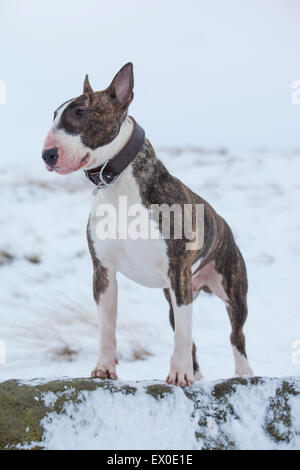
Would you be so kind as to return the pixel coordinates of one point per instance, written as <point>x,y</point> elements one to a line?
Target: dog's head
<point>82,125</point>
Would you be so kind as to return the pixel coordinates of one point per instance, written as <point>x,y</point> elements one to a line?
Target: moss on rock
<point>23,406</point>
<point>159,390</point>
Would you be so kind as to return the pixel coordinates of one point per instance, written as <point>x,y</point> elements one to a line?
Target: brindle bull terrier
<point>94,132</point>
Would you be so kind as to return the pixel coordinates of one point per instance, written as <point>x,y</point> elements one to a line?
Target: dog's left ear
<point>122,85</point>
<point>86,86</point>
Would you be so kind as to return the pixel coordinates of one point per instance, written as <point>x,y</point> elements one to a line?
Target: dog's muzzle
<point>50,156</point>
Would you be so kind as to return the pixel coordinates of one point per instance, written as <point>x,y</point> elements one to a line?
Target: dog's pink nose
<point>50,156</point>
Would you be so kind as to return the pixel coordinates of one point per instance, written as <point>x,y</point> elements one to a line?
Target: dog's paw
<point>105,370</point>
<point>181,373</point>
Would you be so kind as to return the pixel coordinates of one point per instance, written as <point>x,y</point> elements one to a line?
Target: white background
<point>207,73</point>
<point>210,74</point>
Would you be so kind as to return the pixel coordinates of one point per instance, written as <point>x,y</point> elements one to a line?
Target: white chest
<point>121,234</point>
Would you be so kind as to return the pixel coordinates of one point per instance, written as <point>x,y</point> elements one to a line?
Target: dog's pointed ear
<point>86,86</point>
<point>122,85</point>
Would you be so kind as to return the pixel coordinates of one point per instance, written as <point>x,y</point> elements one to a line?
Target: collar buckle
<point>103,183</point>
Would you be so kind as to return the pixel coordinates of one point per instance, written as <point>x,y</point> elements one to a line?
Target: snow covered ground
<point>48,319</point>
<point>84,414</point>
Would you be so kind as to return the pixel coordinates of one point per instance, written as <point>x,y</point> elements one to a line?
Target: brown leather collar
<point>108,173</point>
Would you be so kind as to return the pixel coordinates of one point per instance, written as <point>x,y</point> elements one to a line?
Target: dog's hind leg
<point>197,372</point>
<point>235,284</point>
<point>236,287</point>
<point>228,280</point>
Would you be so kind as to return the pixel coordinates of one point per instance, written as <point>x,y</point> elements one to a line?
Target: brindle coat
<point>158,186</point>
<point>97,118</point>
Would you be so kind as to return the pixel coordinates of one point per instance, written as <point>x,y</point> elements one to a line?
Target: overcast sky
<point>207,73</point>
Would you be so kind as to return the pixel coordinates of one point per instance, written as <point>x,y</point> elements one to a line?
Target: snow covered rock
<point>239,413</point>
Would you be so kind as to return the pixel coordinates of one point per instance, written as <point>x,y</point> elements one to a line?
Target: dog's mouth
<point>64,171</point>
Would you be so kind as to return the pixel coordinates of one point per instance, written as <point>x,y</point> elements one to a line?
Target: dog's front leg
<point>181,369</point>
<point>105,293</point>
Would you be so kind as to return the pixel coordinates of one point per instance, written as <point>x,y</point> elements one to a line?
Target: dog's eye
<point>79,113</point>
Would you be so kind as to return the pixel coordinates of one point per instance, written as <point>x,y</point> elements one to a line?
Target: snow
<point>48,319</point>
<point>140,421</point>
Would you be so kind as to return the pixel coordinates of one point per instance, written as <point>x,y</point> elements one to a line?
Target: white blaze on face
<point>72,153</point>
